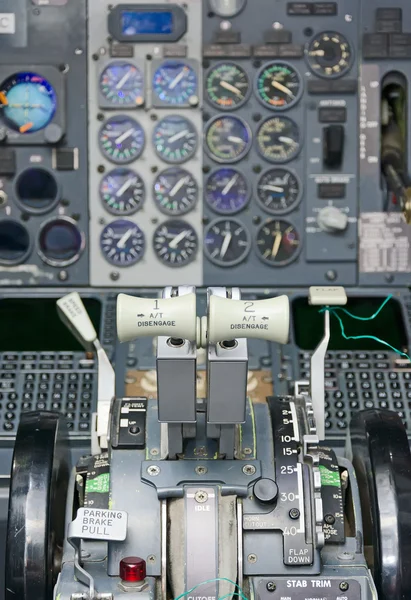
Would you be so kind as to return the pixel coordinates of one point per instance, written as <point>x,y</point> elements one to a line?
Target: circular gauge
<point>175,83</point>
<point>121,139</point>
<point>122,192</point>
<point>60,242</point>
<point>175,192</point>
<point>15,243</point>
<point>27,102</point>
<point>278,85</point>
<point>278,139</point>
<point>228,139</point>
<point>329,55</point>
<point>227,8</point>
<point>226,191</point>
<point>226,242</point>
<point>227,86</point>
<point>175,139</point>
<point>175,243</point>
<point>122,243</point>
<point>277,243</point>
<point>278,191</point>
<point>122,84</point>
<point>36,190</point>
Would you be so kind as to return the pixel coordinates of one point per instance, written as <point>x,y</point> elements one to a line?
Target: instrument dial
<point>226,242</point>
<point>175,243</point>
<point>121,139</point>
<point>226,191</point>
<point>278,86</point>
<point>278,139</point>
<point>228,139</point>
<point>175,139</point>
<point>27,102</point>
<point>122,192</point>
<point>227,8</point>
<point>175,83</point>
<point>122,243</point>
<point>227,86</point>
<point>277,243</point>
<point>175,192</point>
<point>278,191</point>
<point>329,55</point>
<point>60,242</point>
<point>122,84</point>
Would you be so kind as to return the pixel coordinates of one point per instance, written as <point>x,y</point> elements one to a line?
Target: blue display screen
<point>146,23</point>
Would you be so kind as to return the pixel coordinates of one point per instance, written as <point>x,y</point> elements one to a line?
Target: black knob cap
<point>266,491</point>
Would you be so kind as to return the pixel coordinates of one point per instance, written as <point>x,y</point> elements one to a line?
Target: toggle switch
<point>333,146</point>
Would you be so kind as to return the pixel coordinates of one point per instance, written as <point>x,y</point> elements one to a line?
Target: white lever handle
<point>263,319</point>
<point>74,315</point>
<point>146,317</point>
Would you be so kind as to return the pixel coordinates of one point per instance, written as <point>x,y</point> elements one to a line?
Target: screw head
<point>249,469</point>
<point>271,587</point>
<point>294,513</point>
<point>153,470</point>
<point>344,586</point>
<point>247,451</point>
<point>151,559</point>
<point>201,470</point>
<point>252,558</point>
<point>329,519</point>
<point>154,452</point>
<point>201,496</point>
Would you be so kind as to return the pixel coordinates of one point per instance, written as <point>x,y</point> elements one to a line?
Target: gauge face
<point>121,139</point>
<point>175,192</point>
<point>175,243</point>
<point>28,102</point>
<point>278,86</point>
<point>277,243</point>
<point>122,192</point>
<point>175,83</point>
<point>226,191</point>
<point>15,242</point>
<point>329,55</point>
<point>175,139</point>
<point>227,86</point>
<point>278,139</point>
<point>226,242</point>
<point>278,191</point>
<point>122,243</point>
<point>122,84</point>
<point>227,8</point>
<point>228,139</point>
<point>60,242</point>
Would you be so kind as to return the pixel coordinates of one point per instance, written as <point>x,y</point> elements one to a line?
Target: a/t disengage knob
<point>332,220</point>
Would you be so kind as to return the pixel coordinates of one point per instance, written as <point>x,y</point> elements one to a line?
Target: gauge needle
<point>235,139</point>
<point>177,187</point>
<point>230,88</point>
<point>282,88</point>
<point>227,240</point>
<point>175,241</point>
<point>3,99</point>
<point>286,140</point>
<point>122,138</point>
<point>125,187</point>
<point>176,80</point>
<point>123,80</point>
<point>229,185</point>
<point>124,239</point>
<point>178,136</point>
<point>277,243</point>
<point>272,188</point>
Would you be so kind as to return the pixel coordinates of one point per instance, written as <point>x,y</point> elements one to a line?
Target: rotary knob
<point>332,220</point>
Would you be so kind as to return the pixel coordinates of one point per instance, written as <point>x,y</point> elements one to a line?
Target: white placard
<point>99,524</point>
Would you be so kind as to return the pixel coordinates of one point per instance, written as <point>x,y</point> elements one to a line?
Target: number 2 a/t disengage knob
<point>263,319</point>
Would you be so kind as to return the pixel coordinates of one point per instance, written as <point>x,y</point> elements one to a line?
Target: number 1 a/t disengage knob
<point>150,317</point>
<point>262,319</point>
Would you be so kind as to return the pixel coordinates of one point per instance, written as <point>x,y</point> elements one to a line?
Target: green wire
<point>240,593</point>
<point>333,310</point>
